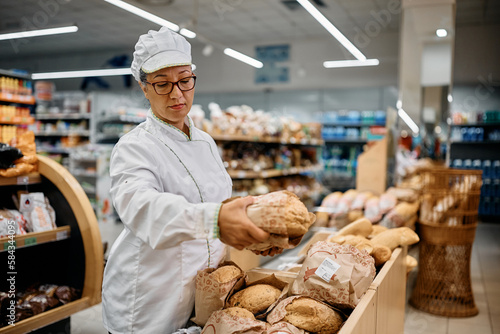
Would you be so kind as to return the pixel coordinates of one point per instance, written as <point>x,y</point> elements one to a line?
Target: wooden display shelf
<point>47,317</point>
<point>36,238</point>
<point>258,139</point>
<point>269,173</point>
<point>16,120</point>
<point>15,98</point>
<point>30,178</point>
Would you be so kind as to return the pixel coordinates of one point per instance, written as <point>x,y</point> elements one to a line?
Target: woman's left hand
<point>269,252</point>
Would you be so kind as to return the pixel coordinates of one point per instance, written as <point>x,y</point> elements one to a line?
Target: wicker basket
<point>447,228</point>
<point>450,196</point>
<point>443,284</point>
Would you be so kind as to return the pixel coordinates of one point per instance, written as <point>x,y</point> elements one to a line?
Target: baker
<point>168,183</point>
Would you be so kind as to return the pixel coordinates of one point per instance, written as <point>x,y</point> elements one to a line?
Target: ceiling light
<point>40,32</point>
<point>407,119</point>
<point>350,63</point>
<point>146,15</point>
<point>81,74</point>
<point>332,29</point>
<point>244,58</point>
<point>187,33</point>
<point>441,33</point>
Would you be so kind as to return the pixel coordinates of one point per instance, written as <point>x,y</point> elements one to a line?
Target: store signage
<point>273,71</point>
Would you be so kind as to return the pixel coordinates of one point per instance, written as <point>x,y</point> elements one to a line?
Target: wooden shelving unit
<point>268,173</point>
<point>70,255</point>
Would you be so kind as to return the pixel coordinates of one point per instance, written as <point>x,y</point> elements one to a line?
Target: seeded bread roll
<point>256,298</point>
<point>313,316</point>
<point>225,274</point>
<point>239,312</point>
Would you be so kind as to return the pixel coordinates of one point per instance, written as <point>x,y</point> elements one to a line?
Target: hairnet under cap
<point>159,49</point>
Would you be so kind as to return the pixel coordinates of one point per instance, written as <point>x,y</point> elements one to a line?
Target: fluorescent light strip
<point>407,119</point>
<point>146,15</point>
<point>244,58</point>
<point>81,74</point>
<point>350,63</point>
<point>332,29</point>
<point>187,33</point>
<point>40,32</point>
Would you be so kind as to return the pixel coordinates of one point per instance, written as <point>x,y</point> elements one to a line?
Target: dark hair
<point>142,76</point>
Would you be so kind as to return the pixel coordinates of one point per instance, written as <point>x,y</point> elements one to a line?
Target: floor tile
<point>459,328</point>
<point>418,322</point>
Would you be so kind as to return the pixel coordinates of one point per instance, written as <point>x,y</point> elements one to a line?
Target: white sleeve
<point>159,219</point>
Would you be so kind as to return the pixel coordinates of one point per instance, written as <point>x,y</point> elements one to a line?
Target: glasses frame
<point>173,85</point>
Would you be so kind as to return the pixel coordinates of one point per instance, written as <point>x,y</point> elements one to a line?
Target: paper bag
<point>222,323</point>
<point>336,274</point>
<point>211,295</point>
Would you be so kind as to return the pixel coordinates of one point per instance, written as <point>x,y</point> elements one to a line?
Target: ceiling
<point>103,26</point>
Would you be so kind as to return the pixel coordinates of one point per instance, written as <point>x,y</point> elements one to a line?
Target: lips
<point>177,106</point>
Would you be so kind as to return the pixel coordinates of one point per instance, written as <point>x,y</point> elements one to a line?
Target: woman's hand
<point>236,229</point>
<point>269,252</point>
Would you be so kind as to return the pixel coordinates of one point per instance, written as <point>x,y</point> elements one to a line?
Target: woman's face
<point>171,108</point>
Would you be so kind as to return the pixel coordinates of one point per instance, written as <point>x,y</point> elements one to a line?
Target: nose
<point>176,92</point>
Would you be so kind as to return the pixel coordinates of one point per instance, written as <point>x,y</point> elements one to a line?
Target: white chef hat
<point>159,49</point>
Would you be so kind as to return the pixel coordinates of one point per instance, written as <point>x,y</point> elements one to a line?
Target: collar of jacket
<point>172,131</point>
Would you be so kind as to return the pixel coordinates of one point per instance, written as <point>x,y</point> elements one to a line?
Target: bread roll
<point>239,313</point>
<point>361,227</point>
<point>226,274</point>
<point>313,316</point>
<point>381,254</point>
<point>256,298</point>
<point>395,237</point>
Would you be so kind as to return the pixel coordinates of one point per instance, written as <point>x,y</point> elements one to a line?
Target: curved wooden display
<point>78,202</point>
<point>87,222</point>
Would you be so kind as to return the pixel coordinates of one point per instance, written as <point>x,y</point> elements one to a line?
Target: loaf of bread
<point>226,273</point>
<point>313,316</point>
<point>283,215</point>
<point>395,237</point>
<point>256,298</point>
<point>376,230</point>
<point>361,227</point>
<point>239,312</point>
<point>381,254</point>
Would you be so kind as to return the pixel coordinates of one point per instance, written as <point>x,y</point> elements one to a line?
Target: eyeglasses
<point>166,87</point>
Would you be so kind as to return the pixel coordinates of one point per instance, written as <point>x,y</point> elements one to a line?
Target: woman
<point>168,182</point>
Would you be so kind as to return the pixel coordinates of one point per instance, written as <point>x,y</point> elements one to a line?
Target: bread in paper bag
<point>232,321</point>
<point>336,274</point>
<point>307,314</point>
<point>213,286</point>
<point>283,215</point>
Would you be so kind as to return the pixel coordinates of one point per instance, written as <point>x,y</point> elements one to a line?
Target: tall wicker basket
<point>447,228</point>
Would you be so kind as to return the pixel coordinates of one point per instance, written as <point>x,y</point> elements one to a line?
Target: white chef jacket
<point>167,189</point>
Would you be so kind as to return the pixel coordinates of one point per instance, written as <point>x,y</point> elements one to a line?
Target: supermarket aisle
<point>485,271</point>
<point>486,286</point>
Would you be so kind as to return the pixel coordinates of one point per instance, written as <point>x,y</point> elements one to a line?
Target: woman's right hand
<point>236,229</point>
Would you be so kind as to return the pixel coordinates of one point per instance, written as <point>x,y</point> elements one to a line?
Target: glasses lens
<point>163,87</point>
<point>186,84</point>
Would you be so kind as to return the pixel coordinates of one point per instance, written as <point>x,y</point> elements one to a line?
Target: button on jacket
<point>167,188</point>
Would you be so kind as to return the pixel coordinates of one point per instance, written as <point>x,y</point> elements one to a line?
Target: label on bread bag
<point>327,269</point>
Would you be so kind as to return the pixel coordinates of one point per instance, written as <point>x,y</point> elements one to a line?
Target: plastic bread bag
<point>372,209</point>
<point>387,202</point>
<point>38,212</point>
<point>14,217</point>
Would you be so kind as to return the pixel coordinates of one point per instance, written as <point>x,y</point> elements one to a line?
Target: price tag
<point>264,174</point>
<point>314,141</point>
<point>62,235</point>
<point>30,241</point>
<point>303,141</point>
<point>293,140</point>
<point>327,269</point>
<point>6,244</point>
<point>23,180</point>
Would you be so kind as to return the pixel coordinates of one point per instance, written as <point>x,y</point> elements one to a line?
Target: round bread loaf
<point>226,273</point>
<point>312,316</point>
<point>256,298</point>
<point>239,312</point>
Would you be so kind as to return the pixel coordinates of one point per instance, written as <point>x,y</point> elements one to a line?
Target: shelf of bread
<point>269,173</point>
<point>47,317</point>
<point>17,98</point>
<point>35,238</point>
<point>264,139</point>
<point>31,178</point>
